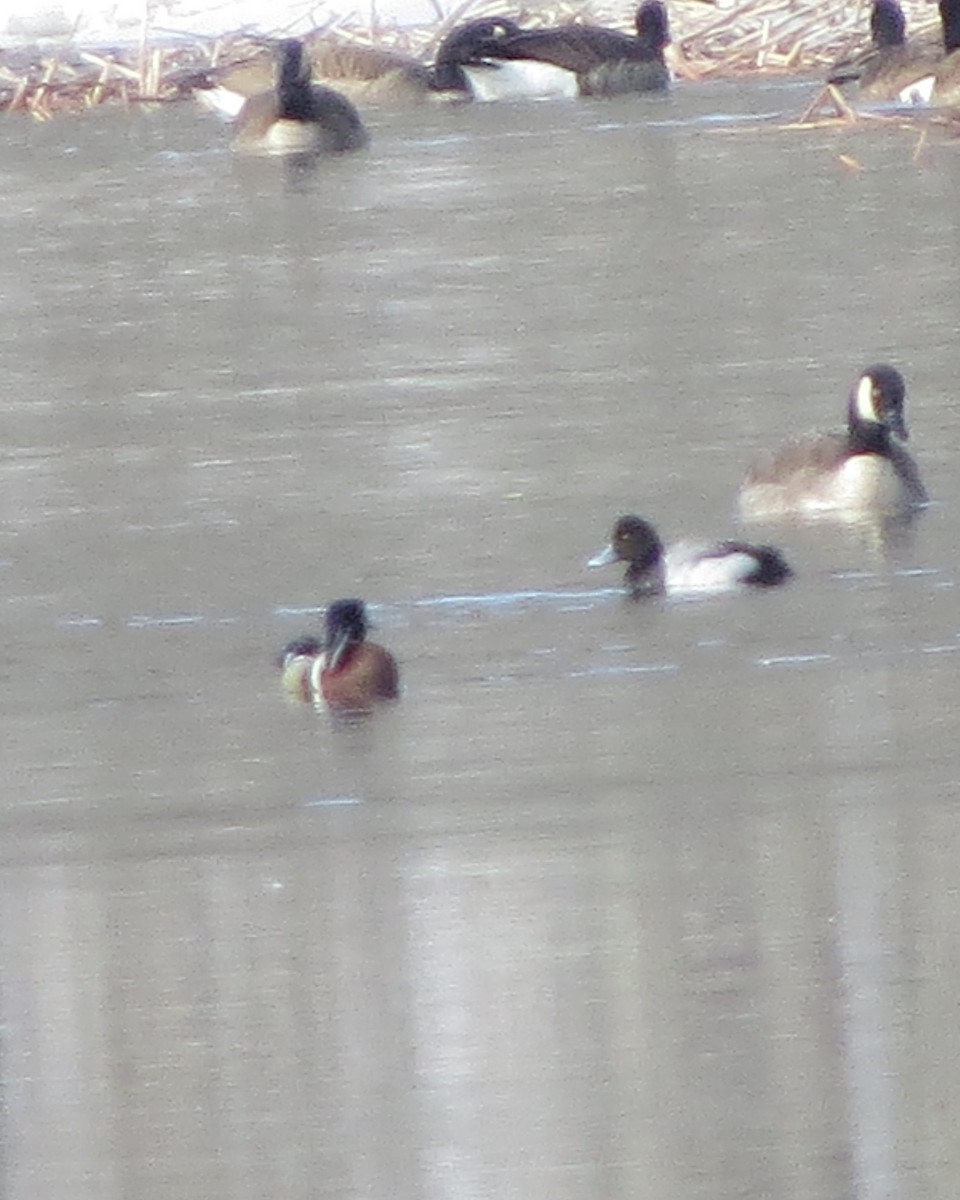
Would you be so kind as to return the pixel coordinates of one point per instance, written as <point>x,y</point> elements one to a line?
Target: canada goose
<point>892,67</point>
<point>864,471</point>
<point>462,68</point>
<point>295,117</point>
<point>364,74</point>
<point>688,566</point>
<point>345,671</point>
<point>570,60</point>
<point>368,74</point>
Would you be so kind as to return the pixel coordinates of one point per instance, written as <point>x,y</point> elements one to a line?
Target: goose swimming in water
<point>566,60</point>
<point>893,67</point>
<point>862,472</point>
<point>364,74</point>
<point>295,117</point>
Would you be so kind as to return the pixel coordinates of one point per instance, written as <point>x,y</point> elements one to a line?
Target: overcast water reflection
<point>621,899</point>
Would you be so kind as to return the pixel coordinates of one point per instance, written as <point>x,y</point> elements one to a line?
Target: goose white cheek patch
<point>866,407</point>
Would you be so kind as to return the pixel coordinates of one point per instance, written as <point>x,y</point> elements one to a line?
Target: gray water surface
<point>622,900</point>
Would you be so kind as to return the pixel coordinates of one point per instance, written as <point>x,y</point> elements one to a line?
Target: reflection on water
<point>622,898</point>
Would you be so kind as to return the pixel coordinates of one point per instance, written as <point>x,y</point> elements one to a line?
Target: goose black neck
<point>449,76</point>
<point>651,24</point>
<point>469,43</point>
<point>294,97</point>
<point>888,26</point>
<point>950,20</point>
<point>868,437</point>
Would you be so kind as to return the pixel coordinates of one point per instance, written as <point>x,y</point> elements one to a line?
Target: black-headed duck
<point>688,567</point>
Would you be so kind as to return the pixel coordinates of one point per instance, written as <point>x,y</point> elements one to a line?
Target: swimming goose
<point>462,68</point>
<point>368,74</point>
<point>893,68</point>
<point>296,117</point>
<point>364,74</point>
<point>345,671</point>
<point>864,471</point>
<point>688,566</point>
<point>572,60</point>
